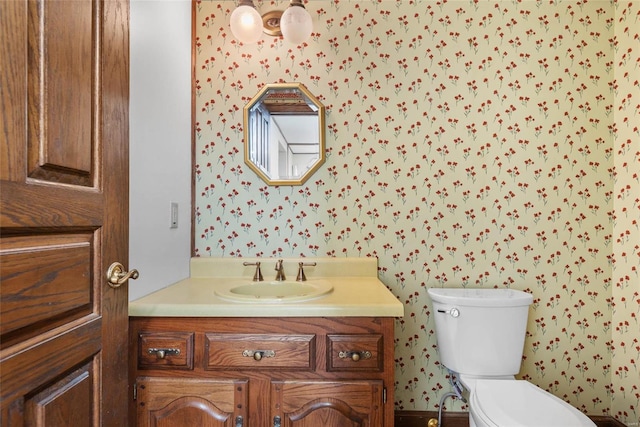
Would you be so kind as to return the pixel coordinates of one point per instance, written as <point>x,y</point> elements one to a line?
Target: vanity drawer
<point>165,350</point>
<point>260,351</point>
<point>347,352</point>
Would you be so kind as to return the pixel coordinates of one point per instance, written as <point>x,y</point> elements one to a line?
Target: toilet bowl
<point>518,403</point>
<point>480,335</point>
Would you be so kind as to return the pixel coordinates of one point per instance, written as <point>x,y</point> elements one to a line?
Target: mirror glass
<point>284,133</point>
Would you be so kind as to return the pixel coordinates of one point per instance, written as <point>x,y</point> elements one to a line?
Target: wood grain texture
<point>350,343</point>
<point>63,211</point>
<point>67,402</point>
<point>316,384</point>
<point>194,402</point>
<point>291,352</point>
<point>60,119</point>
<point>181,341</point>
<point>50,279</point>
<point>38,361</point>
<point>112,152</point>
<point>328,403</point>
<point>13,80</point>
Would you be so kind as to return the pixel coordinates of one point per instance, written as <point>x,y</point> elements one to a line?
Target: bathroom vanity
<point>201,357</point>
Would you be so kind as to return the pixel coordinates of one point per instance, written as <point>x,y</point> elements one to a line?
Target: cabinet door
<point>188,402</point>
<point>327,403</point>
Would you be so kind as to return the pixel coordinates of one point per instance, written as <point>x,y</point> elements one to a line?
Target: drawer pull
<point>276,421</point>
<point>355,355</point>
<point>259,354</point>
<point>239,422</point>
<point>161,353</point>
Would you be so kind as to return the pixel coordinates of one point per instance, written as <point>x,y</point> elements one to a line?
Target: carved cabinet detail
<point>185,402</point>
<point>262,372</point>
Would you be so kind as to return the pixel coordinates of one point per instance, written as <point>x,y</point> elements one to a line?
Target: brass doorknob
<point>116,275</point>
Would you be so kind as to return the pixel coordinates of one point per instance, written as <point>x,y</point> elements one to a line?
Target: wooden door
<point>63,211</point>
<point>327,403</point>
<point>188,402</point>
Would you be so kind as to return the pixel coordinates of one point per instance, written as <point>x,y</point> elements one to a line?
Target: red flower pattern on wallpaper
<point>475,143</point>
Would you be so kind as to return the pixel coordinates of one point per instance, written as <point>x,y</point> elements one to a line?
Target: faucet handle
<point>257,276</point>
<point>301,277</point>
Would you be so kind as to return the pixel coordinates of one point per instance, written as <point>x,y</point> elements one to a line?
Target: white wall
<point>160,142</point>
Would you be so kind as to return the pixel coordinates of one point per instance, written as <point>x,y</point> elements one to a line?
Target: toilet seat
<point>518,403</point>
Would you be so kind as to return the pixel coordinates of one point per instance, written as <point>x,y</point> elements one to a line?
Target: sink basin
<point>275,291</point>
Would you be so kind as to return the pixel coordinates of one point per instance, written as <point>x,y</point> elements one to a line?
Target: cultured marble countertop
<point>357,291</point>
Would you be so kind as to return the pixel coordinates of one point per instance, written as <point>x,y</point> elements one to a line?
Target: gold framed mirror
<point>284,133</point>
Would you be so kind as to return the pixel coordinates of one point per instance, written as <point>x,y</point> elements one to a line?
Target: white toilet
<point>480,335</point>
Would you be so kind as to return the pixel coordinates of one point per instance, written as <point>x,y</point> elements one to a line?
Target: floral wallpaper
<point>471,143</point>
<point>624,387</point>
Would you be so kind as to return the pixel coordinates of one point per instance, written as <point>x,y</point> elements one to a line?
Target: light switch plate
<point>174,215</point>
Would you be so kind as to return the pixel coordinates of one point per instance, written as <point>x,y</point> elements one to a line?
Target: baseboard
<point>421,418</point>
<point>461,419</point>
<point>606,422</point>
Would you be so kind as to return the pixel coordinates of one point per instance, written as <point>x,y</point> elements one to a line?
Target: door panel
<point>44,303</point>
<point>63,211</point>
<point>178,402</point>
<point>13,80</point>
<point>327,403</point>
<point>46,358</point>
<point>60,90</point>
<point>66,403</point>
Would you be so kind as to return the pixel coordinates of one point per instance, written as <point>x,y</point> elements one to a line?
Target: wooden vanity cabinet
<point>261,372</point>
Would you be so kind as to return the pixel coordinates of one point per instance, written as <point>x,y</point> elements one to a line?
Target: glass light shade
<point>246,24</point>
<point>296,25</point>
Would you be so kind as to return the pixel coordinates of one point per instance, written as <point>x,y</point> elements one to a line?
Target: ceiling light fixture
<point>295,24</point>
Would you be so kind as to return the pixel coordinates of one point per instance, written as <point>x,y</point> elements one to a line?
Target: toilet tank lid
<point>476,297</point>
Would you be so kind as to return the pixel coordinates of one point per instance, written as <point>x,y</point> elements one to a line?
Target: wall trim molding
<point>460,419</point>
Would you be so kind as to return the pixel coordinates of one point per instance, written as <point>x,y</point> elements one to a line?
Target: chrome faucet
<point>257,276</point>
<point>301,276</point>
<point>280,271</point>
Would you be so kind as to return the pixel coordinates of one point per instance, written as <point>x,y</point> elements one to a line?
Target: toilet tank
<point>481,332</point>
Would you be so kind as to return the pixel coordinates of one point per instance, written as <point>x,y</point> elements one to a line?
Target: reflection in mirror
<point>284,133</point>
